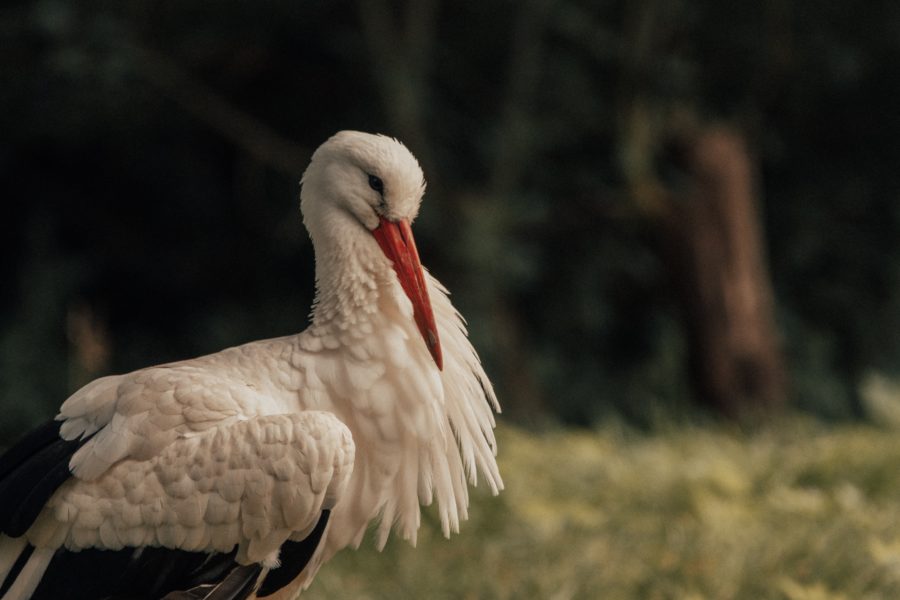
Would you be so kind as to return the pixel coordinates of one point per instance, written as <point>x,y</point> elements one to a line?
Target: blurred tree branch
<point>199,100</point>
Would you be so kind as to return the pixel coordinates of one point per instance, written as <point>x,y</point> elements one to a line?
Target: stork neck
<point>349,275</point>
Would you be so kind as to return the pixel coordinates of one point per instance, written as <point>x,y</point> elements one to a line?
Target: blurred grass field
<point>795,511</point>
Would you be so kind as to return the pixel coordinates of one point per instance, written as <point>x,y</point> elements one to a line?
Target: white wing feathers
<point>254,484</point>
<point>90,408</point>
<point>138,414</point>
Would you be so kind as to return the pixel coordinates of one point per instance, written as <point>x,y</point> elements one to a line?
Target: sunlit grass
<point>798,511</point>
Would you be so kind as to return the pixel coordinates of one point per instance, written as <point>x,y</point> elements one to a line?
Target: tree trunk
<point>719,263</point>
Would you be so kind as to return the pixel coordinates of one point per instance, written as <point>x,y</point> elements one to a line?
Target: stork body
<point>235,475</point>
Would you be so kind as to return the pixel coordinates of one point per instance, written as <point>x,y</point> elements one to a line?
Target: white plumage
<point>242,450</point>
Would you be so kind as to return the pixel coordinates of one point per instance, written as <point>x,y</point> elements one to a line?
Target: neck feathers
<point>349,276</point>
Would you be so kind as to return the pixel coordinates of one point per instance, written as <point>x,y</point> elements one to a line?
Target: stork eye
<point>376,183</point>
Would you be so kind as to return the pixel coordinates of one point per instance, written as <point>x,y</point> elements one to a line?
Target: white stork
<point>236,475</point>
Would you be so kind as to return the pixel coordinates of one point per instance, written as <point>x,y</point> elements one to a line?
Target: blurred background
<point>665,221</point>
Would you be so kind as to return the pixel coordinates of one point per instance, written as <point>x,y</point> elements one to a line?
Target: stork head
<point>372,183</point>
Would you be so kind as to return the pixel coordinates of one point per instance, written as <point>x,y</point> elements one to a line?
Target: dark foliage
<point>150,207</point>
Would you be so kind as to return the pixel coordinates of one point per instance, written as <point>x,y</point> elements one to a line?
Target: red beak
<point>397,243</point>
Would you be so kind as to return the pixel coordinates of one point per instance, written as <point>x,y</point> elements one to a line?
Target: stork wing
<point>232,495</point>
<point>138,414</point>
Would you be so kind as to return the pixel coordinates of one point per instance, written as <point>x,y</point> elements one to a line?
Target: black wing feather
<point>294,558</point>
<point>238,585</point>
<point>29,509</point>
<point>30,472</point>
<point>132,574</point>
<point>16,569</point>
<point>31,443</point>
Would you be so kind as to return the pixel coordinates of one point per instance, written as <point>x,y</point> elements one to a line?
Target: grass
<point>796,511</point>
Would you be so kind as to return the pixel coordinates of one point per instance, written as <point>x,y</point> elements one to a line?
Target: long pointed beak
<point>397,243</point>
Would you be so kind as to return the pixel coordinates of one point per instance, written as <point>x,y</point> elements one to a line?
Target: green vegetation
<point>795,511</point>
